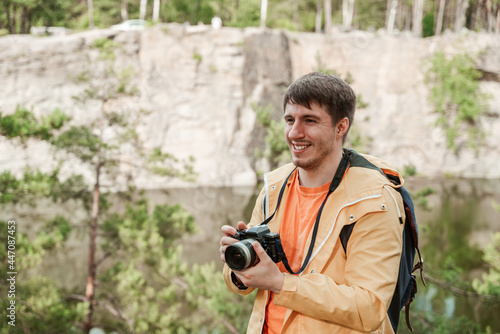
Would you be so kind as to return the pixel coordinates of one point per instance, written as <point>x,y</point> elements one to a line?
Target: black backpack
<point>406,287</point>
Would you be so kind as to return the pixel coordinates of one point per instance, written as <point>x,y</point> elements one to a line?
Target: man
<point>338,291</point>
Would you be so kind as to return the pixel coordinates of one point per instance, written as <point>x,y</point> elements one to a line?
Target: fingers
<point>224,243</point>
<point>222,251</point>
<point>227,240</point>
<point>263,275</point>
<point>260,251</point>
<point>228,230</point>
<point>242,226</point>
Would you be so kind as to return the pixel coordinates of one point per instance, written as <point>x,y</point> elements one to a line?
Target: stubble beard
<point>314,163</point>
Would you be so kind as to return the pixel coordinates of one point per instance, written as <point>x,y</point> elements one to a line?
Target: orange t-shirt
<point>300,211</point>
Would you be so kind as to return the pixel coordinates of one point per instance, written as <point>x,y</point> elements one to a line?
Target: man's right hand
<point>227,240</point>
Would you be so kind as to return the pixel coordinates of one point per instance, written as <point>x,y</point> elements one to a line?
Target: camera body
<point>241,254</point>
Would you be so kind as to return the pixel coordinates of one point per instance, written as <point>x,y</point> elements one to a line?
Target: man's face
<point>310,135</point>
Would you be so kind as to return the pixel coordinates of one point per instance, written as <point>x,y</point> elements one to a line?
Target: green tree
<point>457,99</point>
<point>17,16</point>
<point>276,150</point>
<point>40,305</point>
<point>146,287</point>
<point>371,14</point>
<point>189,11</point>
<point>490,282</point>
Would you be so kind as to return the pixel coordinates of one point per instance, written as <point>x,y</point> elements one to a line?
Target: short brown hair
<point>328,91</point>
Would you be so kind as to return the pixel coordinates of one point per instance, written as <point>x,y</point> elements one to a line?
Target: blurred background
<point>131,130</point>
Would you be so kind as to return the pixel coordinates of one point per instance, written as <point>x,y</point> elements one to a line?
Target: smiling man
<point>319,287</point>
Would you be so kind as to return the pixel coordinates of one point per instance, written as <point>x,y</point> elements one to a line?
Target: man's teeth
<point>300,147</point>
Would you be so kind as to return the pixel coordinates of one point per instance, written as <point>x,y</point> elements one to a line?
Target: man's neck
<point>321,175</point>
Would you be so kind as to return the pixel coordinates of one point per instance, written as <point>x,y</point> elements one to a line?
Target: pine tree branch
<point>460,291</point>
<point>230,327</point>
<point>77,297</point>
<point>423,321</point>
<point>116,311</point>
<point>104,257</point>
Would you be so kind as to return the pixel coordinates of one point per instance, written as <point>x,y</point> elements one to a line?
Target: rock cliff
<point>200,85</point>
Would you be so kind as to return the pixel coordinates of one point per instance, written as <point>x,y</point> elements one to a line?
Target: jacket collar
<point>356,160</point>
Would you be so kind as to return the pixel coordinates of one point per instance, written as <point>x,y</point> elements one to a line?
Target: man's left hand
<point>264,275</point>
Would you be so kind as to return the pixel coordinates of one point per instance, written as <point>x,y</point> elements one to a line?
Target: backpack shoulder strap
<point>411,222</point>
<point>345,234</point>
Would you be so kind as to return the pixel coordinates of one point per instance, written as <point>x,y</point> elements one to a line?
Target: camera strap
<point>337,178</point>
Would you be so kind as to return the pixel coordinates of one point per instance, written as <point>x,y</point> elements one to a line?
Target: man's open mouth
<point>300,147</point>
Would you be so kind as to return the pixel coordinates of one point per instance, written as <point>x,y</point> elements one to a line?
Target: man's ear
<point>342,127</point>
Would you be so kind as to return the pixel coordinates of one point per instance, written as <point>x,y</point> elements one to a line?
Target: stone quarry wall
<point>200,85</point>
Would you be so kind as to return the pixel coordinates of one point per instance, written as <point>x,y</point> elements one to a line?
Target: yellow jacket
<point>338,293</point>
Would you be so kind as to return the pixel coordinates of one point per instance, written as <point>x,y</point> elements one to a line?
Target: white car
<point>130,25</point>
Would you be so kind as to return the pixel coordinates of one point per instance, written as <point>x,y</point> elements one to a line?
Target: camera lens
<point>240,255</point>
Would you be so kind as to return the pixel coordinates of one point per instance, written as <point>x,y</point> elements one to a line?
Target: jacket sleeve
<point>227,272</point>
<point>371,271</point>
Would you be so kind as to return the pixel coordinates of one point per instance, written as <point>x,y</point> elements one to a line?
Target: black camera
<point>241,254</point>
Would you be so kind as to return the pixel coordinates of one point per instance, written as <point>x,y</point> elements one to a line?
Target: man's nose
<point>296,131</point>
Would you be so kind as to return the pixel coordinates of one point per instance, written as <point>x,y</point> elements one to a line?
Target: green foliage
<point>107,13</point>
<point>143,289</point>
<point>33,185</point>
<point>165,164</point>
<point>79,141</point>
<point>428,25</point>
<point>104,78</point>
<point>357,141</point>
<point>169,222</point>
<point>371,14</point>
<point>54,233</point>
<point>106,48</point>
<point>125,88</point>
<point>247,15</point>
<point>42,308</point>
<point>150,286</point>
<point>197,57</point>
<point>221,308</point>
<point>24,125</point>
<point>409,170</point>
<point>490,282</point>
<point>451,260</point>
<point>40,304</point>
<point>421,197</point>
<point>281,14</point>
<point>448,233</point>
<point>456,96</point>
<point>276,150</point>
<point>189,11</point>
<point>436,323</point>
<point>360,103</point>
<point>461,325</point>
